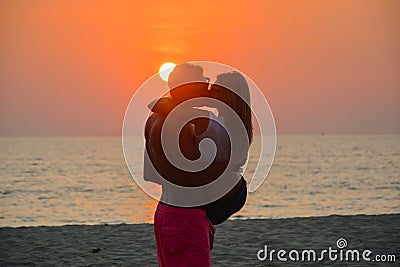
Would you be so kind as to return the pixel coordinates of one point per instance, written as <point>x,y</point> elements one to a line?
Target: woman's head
<point>232,89</point>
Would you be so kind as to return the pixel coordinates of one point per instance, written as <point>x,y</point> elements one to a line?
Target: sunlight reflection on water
<point>57,181</point>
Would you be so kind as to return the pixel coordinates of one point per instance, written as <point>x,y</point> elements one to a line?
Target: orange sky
<point>71,67</point>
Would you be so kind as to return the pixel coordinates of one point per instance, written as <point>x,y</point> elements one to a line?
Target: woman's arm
<point>165,105</point>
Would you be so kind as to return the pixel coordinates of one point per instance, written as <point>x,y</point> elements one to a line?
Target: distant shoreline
<point>233,218</point>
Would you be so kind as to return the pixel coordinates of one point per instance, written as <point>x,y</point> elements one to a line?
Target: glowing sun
<point>165,70</point>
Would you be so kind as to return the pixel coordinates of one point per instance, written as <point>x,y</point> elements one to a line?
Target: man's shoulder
<point>155,120</point>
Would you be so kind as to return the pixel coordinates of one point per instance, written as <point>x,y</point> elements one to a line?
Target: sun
<point>165,70</point>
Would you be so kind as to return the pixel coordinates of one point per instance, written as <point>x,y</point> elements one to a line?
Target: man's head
<point>187,81</point>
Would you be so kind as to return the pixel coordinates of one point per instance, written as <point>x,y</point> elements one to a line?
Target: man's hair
<point>183,79</point>
<point>185,73</point>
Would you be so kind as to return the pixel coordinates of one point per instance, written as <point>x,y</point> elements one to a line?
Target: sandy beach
<point>237,242</point>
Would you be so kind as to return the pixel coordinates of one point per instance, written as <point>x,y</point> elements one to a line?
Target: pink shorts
<point>182,236</point>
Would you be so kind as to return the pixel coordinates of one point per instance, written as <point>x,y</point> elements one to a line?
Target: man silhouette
<point>183,234</point>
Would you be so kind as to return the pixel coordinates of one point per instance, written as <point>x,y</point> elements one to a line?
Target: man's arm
<point>165,105</point>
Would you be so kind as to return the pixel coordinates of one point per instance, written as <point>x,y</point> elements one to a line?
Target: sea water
<point>84,180</point>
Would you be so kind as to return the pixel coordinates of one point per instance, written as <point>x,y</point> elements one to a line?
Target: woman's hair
<point>233,90</point>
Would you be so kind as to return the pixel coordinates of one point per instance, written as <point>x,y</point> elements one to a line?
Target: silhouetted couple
<point>202,183</point>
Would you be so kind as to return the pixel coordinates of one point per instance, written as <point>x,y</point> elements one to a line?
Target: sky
<point>71,67</point>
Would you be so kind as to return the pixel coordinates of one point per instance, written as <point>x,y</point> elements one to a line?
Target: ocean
<point>84,180</point>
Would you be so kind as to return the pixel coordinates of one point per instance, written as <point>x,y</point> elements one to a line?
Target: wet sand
<point>237,242</point>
